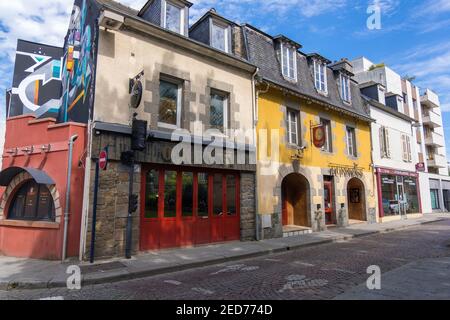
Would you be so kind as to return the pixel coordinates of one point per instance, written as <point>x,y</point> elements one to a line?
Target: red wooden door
<point>202,208</point>
<point>218,210</point>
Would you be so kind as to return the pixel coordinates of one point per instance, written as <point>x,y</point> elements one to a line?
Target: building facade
<point>303,187</point>
<point>426,142</point>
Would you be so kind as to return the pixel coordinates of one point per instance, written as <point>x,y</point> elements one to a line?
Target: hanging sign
<point>420,167</point>
<point>318,133</point>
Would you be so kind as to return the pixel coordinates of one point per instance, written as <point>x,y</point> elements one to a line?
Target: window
<point>351,142</point>
<point>384,143</point>
<point>151,194</point>
<point>292,126</point>
<point>220,37</point>
<point>345,88</point>
<point>435,199</point>
<point>217,195</point>
<point>187,199</point>
<point>174,18</point>
<point>328,146</point>
<point>406,148</point>
<point>169,105</point>
<point>289,61</point>
<point>231,195</point>
<point>202,210</point>
<point>218,113</point>
<point>170,194</point>
<point>320,76</point>
<point>32,202</point>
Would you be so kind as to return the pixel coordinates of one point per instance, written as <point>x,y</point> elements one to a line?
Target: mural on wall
<point>37,80</point>
<point>78,76</point>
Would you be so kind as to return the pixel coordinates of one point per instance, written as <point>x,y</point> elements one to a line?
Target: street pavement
<point>414,263</point>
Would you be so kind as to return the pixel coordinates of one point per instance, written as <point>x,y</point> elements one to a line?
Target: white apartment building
<point>402,107</point>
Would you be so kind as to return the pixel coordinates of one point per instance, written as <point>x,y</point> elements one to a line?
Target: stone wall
<point>248,207</point>
<point>112,211</point>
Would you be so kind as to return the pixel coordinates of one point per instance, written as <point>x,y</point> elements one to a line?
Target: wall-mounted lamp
<point>319,206</point>
<point>342,205</point>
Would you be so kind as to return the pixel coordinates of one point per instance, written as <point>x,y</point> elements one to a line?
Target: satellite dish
<point>136,94</point>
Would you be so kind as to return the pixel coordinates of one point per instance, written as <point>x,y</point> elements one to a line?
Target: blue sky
<point>414,38</point>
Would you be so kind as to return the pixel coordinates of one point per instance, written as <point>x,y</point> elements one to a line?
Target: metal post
<point>130,214</point>
<point>94,211</point>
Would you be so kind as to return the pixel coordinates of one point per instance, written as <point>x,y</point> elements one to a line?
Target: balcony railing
<point>434,139</point>
<point>432,119</point>
<point>436,161</point>
<point>430,99</point>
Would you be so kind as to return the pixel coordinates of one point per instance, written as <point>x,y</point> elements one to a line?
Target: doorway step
<point>293,231</point>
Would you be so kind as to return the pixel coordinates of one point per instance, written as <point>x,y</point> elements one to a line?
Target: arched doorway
<point>356,199</point>
<point>295,201</point>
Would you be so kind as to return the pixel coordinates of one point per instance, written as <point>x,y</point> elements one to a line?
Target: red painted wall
<point>25,131</point>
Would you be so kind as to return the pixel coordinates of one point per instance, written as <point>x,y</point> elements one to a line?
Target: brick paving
<point>319,272</point>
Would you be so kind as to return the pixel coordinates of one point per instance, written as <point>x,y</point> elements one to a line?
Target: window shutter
<point>381,139</point>
<point>408,142</point>
<point>388,147</point>
<point>404,151</point>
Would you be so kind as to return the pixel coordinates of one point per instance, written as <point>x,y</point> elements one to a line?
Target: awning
<point>7,175</point>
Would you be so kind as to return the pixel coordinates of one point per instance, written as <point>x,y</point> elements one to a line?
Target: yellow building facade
<point>302,188</point>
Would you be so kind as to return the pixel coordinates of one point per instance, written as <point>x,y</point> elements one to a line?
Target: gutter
<point>67,205</point>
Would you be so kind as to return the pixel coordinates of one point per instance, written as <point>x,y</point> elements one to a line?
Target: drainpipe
<point>67,206</point>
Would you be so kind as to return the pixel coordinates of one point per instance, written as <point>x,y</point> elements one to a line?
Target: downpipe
<point>67,206</point>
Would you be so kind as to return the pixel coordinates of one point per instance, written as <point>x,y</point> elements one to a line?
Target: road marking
<point>273,260</point>
<point>53,298</point>
<point>236,268</point>
<point>296,281</point>
<point>304,264</point>
<point>174,282</point>
<point>203,291</point>
<point>339,270</point>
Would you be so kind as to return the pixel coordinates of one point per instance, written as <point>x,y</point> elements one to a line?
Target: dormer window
<point>174,17</point>
<point>289,61</point>
<point>220,36</point>
<point>320,76</point>
<point>345,88</point>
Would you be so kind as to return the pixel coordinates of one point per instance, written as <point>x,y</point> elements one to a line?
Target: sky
<point>414,38</point>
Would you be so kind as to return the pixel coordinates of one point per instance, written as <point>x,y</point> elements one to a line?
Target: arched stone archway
<point>295,195</point>
<point>356,199</point>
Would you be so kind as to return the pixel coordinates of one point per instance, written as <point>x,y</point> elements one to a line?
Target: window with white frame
<point>384,142</point>
<point>345,88</point>
<point>218,112</point>
<point>293,127</point>
<point>170,95</point>
<point>220,36</point>
<point>289,61</point>
<point>406,148</point>
<point>351,142</point>
<point>174,17</point>
<point>328,146</point>
<point>320,76</point>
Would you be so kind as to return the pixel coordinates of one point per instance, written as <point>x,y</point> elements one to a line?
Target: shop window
<point>202,210</point>
<point>151,194</point>
<point>435,199</point>
<point>170,194</point>
<point>217,195</point>
<point>188,194</point>
<point>231,195</point>
<point>32,202</point>
<point>411,196</point>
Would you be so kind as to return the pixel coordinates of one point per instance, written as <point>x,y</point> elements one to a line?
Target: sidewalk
<point>18,273</point>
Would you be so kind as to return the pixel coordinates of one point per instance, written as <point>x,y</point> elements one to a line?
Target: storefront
<point>183,207</point>
<point>398,192</point>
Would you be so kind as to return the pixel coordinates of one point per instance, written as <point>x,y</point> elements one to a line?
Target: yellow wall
<point>271,116</point>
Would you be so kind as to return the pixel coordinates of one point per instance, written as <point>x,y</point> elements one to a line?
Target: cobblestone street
<point>319,272</point>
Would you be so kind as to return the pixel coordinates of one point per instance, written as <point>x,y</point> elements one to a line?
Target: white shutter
<point>382,145</point>
<point>388,147</point>
<point>408,143</point>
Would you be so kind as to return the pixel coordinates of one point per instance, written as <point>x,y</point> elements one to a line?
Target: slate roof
<point>262,53</point>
